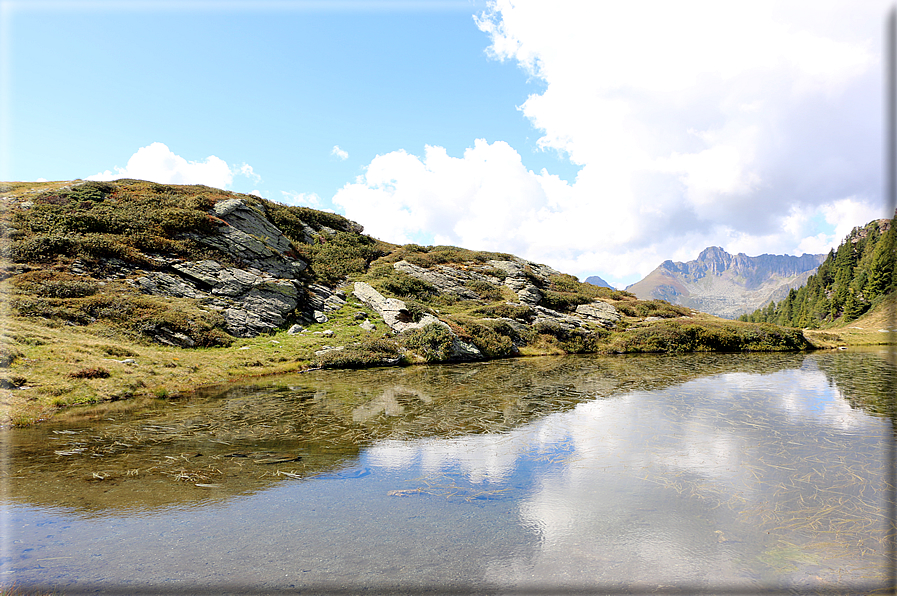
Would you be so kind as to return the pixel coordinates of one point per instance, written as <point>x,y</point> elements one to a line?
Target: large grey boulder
<point>396,316</point>
<point>251,239</point>
<point>518,280</point>
<point>446,279</point>
<point>252,303</point>
<point>600,312</point>
<point>565,321</point>
<point>393,311</point>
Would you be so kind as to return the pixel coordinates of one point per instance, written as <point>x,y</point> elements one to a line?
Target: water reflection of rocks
<point>195,451</point>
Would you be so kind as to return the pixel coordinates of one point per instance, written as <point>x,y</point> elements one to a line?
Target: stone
<point>446,279</point>
<point>320,317</point>
<point>396,316</point>
<point>600,312</point>
<point>367,325</point>
<point>327,333</point>
<point>295,329</point>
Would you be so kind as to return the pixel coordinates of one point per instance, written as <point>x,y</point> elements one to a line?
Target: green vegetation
<point>82,332</point>
<point>433,342</point>
<point>333,258</point>
<point>720,336</point>
<point>428,256</point>
<point>125,220</point>
<point>127,312</point>
<point>851,281</point>
<point>370,351</point>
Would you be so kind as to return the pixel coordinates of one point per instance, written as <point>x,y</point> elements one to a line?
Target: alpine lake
<point>660,474</point>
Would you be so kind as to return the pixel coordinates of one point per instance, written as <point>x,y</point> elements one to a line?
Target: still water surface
<point>697,473</point>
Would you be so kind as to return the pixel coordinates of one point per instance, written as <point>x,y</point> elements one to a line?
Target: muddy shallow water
<point>703,473</point>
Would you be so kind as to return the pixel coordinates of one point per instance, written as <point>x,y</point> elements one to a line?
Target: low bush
<point>651,308</point>
<point>488,338</point>
<point>54,284</point>
<point>145,316</point>
<point>398,283</point>
<point>371,351</point>
<point>506,310</point>
<point>676,336</point>
<point>428,256</point>
<point>434,343</point>
<point>485,290</point>
<point>95,372</point>
<point>331,259</point>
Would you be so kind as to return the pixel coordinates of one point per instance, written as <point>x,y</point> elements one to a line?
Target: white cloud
<point>157,163</point>
<point>343,155</point>
<point>305,199</point>
<point>485,200</point>
<point>246,170</point>
<point>695,123</point>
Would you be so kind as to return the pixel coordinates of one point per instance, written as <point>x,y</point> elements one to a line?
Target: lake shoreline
<point>65,367</point>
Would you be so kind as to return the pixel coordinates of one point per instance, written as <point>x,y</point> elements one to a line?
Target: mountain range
<point>726,285</point>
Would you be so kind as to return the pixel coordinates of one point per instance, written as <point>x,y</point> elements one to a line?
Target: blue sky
<point>594,138</point>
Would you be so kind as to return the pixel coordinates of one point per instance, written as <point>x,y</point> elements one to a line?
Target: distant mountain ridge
<point>727,285</point>
<point>597,281</point>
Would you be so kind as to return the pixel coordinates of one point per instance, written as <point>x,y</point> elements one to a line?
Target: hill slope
<point>726,285</point>
<point>133,288</point>
<point>851,281</point>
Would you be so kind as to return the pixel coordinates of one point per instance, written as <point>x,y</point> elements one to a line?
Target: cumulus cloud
<point>486,199</point>
<point>157,163</point>
<point>304,199</point>
<point>343,155</point>
<point>694,123</point>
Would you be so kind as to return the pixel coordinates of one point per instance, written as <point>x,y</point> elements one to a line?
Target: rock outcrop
<point>396,316</point>
<point>258,295</point>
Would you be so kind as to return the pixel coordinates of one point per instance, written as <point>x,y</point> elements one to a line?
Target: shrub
<point>40,248</point>
<point>487,338</point>
<point>651,308</point>
<point>676,336</point>
<point>95,372</point>
<point>371,351</point>
<point>53,284</point>
<point>8,355</point>
<point>486,290</point>
<point>434,343</point>
<point>334,258</point>
<point>506,310</point>
<point>399,283</point>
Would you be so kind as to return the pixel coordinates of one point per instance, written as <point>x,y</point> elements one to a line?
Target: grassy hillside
<point>78,328</point>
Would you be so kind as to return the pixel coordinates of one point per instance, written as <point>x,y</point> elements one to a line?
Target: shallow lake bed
<point>698,472</point>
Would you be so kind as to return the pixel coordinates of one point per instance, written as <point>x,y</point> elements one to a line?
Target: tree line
<point>853,279</point>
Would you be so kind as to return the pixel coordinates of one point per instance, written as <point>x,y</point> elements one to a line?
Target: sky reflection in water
<point>736,480</point>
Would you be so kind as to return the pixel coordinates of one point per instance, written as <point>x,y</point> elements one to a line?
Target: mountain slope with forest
<point>854,279</point>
